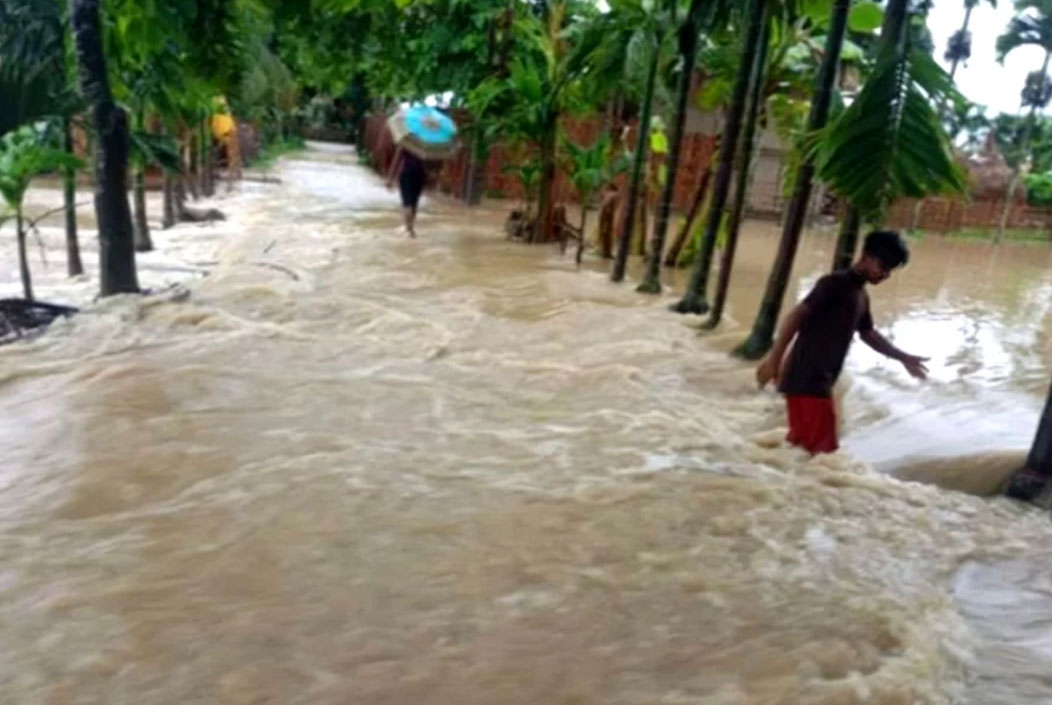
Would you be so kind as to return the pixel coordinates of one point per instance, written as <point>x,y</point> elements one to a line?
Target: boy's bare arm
<point>771,366</point>
<point>914,364</point>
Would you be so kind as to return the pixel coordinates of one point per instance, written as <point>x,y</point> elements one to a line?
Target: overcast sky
<point>982,79</point>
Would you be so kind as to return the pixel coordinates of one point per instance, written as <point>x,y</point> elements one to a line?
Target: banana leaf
<point>889,143</point>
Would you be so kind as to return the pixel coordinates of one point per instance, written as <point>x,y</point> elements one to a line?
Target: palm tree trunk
<point>1028,482</point>
<point>543,230</point>
<point>847,239</point>
<point>1040,456</point>
<point>693,300</point>
<point>688,49</point>
<point>142,226</point>
<point>638,167</point>
<point>116,236</point>
<point>169,202</point>
<point>644,217</point>
<point>23,256</point>
<point>743,167</point>
<point>585,198</point>
<point>893,33</point>
<point>762,335</point>
<point>475,180</point>
<point>74,266</point>
<point>143,243</point>
<point>672,256</point>
<point>207,185</point>
<point>1024,156</point>
<point>192,176</point>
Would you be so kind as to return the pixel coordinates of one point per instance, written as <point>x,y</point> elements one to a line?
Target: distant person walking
<point>412,177</point>
<point>820,330</point>
<point>422,132</point>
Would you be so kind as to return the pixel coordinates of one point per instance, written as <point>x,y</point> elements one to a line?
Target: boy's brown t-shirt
<point>836,308</point>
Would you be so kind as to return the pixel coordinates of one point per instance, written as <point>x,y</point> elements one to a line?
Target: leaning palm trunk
<point>847,239</point>
<point>688,49</point>
<point>74,266</point>
<point>761,337</point>
<point>743,168</point>
<point>693,300</point>
<point>116,237</point>
<point>638,169</point>
<point>672,256</point>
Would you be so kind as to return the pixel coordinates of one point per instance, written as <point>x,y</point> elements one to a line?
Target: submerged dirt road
<point>355,468</point>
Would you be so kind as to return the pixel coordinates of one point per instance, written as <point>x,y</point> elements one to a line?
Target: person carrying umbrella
<point>422,133</point>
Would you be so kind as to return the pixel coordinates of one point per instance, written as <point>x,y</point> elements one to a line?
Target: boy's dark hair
<point>887,246</point>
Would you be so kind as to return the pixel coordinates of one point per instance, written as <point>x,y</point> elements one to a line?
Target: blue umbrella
<point>425,131</point>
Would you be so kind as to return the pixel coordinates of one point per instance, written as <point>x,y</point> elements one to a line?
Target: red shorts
<point>812,424</point>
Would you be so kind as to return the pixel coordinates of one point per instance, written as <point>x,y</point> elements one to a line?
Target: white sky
<point>982,79</point>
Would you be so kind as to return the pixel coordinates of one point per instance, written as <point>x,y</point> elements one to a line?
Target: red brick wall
<point>948,215</point>
<point>696,156</point>
<point>765,197</point>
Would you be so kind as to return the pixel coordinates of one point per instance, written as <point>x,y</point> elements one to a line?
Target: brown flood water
<point>356,468</point>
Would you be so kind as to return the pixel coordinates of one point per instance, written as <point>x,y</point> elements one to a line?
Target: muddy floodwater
<point>336,465</point>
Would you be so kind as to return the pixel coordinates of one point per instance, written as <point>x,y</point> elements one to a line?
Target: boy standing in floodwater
<point>820,329</point>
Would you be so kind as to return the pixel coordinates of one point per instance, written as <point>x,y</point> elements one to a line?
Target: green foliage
<point>26,153</point>
<point>591,167</point>
<point>33,83</point>
<point>1009,133</point>
<point>275,150</point>
<point>528,171</point>
<point>147,148</point>
<point>889,142</point>
<point>1039,188</point>
<point>1032,26</point>
<point>864,17</point>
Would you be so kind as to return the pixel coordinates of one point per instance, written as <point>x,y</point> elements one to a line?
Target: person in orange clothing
<point>820,330</point>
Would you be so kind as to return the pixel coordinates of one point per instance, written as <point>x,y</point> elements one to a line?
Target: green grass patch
<point>275,150</point>
<point>1037,235</point>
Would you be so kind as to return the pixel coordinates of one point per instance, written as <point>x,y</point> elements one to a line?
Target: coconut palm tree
<point>689,36</point>
<point>693,301</point>
<point>1033,27</point>
<point>743,164</point>
<point>959,47</point>
<point>762,335</point>
<point>636,25</point>
<point>110,124</point>
<point>763,329</point>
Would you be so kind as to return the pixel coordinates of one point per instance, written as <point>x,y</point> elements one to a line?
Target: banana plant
<point>590,168</point>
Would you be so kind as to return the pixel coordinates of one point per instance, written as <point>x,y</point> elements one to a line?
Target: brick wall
<point>948,215</point>
<point>696,156</point>
<point>765,197</point>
